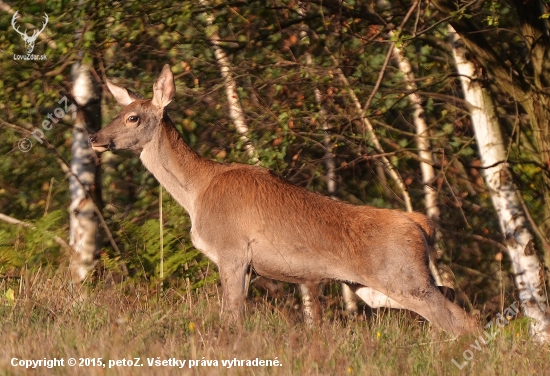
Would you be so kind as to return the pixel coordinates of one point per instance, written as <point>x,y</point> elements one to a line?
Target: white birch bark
<point>84,222</point>
<point>425,153</point>
<point>370,130</point>
<point>330,174</point>
<point>422,139</point>
<point>527,269</point>
<point>350,299</point>
<point>236,112</point>
<point>376,299</point>
<point>310,310</point>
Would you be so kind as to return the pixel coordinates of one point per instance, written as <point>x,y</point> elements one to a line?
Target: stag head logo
<point>29,40</point>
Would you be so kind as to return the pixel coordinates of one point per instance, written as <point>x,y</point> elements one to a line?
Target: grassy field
<point>46,318</point>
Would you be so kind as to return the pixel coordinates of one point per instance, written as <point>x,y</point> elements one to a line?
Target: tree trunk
<point>83,182</point>
<point>236,112</point>
<point>311,313</point>
<point>367,125</point>
<point>528,271</point>
<point>535,32</point>
<point>525,82</point>
<point>442,278</point>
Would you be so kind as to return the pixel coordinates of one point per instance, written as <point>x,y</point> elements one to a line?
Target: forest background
<point>317,91</point>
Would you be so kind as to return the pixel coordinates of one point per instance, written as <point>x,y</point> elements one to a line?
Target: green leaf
<point>10,296</point>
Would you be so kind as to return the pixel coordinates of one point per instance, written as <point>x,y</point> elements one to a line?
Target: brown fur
<point>246,216</point>
<point>425,224</point>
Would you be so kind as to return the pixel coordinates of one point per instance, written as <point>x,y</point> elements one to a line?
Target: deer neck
<point>182,172</point>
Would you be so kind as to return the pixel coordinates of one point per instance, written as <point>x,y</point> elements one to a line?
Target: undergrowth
<point>42,316</point>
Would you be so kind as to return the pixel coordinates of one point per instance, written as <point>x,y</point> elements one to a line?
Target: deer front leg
<point>233,279</point>
<point>310,303</point>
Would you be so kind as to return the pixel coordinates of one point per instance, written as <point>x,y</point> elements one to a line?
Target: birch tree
<point>527,270</point>
<point>236,112</point>
<point>84,177</point>
<point>427,160</point>
<point>367,125</point>
<point>518,71</point>
<point>309,298</point>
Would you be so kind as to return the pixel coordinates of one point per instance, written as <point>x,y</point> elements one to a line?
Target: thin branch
<point>480,238</point>
<point>236,111</point>
<point>68,170</point>
<point>387,61</point>
<point>534,225</point>
<point>370,129</point>
<point>58,240</point>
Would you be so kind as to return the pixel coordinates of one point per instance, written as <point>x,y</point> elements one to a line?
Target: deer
<point>29,40</point>
<point>374,299</point>
<point>245,216</point>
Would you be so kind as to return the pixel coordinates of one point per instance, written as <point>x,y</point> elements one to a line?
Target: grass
<point>117,321</point>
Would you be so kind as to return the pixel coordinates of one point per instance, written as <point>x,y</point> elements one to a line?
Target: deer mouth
<point>100,148</point>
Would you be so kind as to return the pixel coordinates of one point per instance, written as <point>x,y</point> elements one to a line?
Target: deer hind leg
<point>350,299</point>
<point>310,303</point>
<point>460,321</point>
<point>233,279</point>
<point>426,300</point>
<point>374,298</point>
<point>311,307</point>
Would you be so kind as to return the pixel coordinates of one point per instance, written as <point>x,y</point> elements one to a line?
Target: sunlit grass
<point>47,319</point>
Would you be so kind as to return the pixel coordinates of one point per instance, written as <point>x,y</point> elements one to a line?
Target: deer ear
<point>122,96</point>
<point>164,88</point>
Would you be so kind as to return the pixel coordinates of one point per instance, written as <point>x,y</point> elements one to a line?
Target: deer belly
<point>295,267</point>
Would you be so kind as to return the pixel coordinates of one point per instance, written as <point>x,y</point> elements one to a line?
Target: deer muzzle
<point>100,148</point>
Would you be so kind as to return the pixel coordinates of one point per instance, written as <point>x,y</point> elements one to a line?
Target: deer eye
<point>132,121</point>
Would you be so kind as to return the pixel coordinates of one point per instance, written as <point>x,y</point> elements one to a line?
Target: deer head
<point>29,40</point>
<point>137,123</point>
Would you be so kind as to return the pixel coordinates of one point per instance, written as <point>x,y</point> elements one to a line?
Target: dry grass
<point>116,321</point>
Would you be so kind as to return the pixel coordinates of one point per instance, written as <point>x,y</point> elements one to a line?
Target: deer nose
<point>92,139</point>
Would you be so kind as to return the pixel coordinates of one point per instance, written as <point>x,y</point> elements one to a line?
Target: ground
<point>113,324</point>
